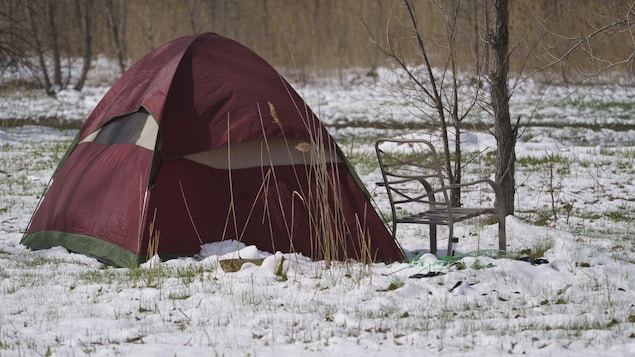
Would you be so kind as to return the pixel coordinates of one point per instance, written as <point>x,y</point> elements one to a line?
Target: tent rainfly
<point>202,141</point>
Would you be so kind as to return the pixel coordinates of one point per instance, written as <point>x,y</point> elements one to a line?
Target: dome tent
<point>201,141</point>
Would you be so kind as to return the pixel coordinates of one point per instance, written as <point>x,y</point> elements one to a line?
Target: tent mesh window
<point>126,130</point>
<point>138,128</point>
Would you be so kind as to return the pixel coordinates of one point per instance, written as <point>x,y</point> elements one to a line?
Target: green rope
<point>492,253</point>
<point>450,260</point>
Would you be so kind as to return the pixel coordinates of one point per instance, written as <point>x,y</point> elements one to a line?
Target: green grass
<point>538,250</point>
<point>364,163</point>
<point>395,284</point>
<point>600,105</point>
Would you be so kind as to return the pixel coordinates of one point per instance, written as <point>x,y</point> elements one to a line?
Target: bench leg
<point>433,238</point>
<point>502,234</point>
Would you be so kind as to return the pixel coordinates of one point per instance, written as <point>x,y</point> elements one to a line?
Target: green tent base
<point>84,244</point>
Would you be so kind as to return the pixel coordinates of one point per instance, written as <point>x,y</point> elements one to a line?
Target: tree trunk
<point>504,132</point>
<point>456,191</point>
<point>88,43</point>
<point>117,37</point>
<point>193,16</point>
<point>57,62</point>
<point>39,49</point>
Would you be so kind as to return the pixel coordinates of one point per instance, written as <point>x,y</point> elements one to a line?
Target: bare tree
<point>49,43</point>
<point>592,62</point>
<point>39,47</point>
<point>372,53</point>
<point>117,29</point>
<point>441,91</point>
<point>54,44</point>
<point>504,132</point>
<point>88,43</point>
<point>590,46</point>
<point>14,33</point>
<point>442,94</point>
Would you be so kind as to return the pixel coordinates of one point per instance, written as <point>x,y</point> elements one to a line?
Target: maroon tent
<point>202,141</point>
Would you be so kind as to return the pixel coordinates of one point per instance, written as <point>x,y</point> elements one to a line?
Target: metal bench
<point>419,191</point>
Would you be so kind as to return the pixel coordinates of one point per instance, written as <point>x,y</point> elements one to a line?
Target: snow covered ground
<point>577,159</point>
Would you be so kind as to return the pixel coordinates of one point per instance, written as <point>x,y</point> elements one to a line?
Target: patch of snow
<point>577,302</point>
